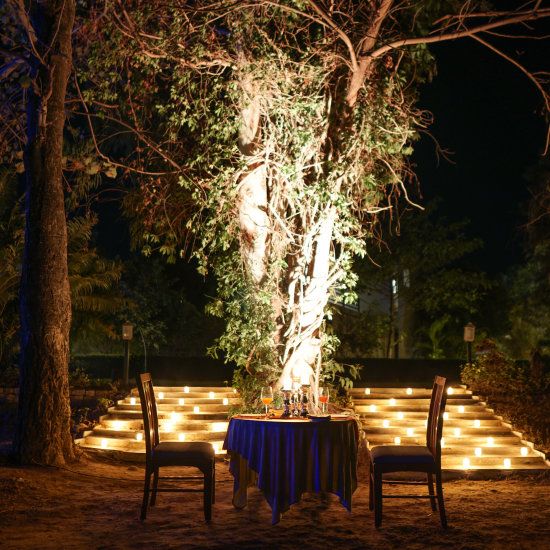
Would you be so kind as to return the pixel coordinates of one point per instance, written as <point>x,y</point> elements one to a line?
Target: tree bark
<point>43,422</point>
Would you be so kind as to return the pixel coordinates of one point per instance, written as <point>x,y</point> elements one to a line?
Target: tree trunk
<point>43,422</point>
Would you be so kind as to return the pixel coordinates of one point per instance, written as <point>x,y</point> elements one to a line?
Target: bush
<point>512,390</point>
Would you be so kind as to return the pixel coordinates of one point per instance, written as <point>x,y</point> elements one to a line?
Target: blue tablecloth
<point>286,458</point>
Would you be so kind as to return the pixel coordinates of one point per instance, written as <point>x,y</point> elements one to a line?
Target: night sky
<point>487,114</point>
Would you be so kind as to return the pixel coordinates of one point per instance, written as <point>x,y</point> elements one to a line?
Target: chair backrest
<point>435,417</point>
<point>149,411</point>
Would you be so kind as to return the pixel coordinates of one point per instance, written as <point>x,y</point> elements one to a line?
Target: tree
<point>44,65</point>
<point>426,259</point>
<point>273,134</point>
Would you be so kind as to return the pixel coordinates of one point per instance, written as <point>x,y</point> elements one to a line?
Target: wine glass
<point>323,397</point>
<point>267,397</point>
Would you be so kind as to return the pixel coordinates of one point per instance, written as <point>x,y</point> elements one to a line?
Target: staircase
<point>474,438</point>
<point>184,413</point>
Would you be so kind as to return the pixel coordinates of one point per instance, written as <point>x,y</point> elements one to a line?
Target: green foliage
<point>517,393</point>
<point>428,258</point>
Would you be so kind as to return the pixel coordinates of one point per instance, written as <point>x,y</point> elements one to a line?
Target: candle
<point>409,391</point>
<point>450,391</point>
<point>139,436</point>
<point>410,432</point>
<point>507,463</point>
<point>174,416</point>
<point>161,395</point>
<point>490,441</point>
<point>103,443</point>
<point>181,436</point>
<point>367,391</point>
<point>211,395</point>
<point>373,408</point>
<point>461,409</point>
<point>397,440</point>
<point>195,410</point>
<point>392,402</point>
<point>478,451</point>
<point>466,463</point>
<point>524,451</point>
<point>457,432</point>
<point>186,389</point>
<point>386,423</point>
<point>400,415</point>
<point>477,423</point>
<point>182,401</point>
<point>132,400</point>
<point>226,401</point>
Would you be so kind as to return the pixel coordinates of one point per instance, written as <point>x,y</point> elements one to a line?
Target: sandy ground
<point>95,502</point>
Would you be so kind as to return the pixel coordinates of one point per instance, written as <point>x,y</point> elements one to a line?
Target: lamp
<point>469,336</point>
<point>127,335</point>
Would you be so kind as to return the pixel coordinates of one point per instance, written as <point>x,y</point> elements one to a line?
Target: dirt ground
<point>95,503</point>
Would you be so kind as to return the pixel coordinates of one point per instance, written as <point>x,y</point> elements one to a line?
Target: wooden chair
<point>172,453</point>
<point>412,458</point>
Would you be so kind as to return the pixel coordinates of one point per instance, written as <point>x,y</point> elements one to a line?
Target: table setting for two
<point>292,450</point>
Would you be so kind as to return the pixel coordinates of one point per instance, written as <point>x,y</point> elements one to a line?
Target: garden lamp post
<point>469,335</point>
<point>127,335</point>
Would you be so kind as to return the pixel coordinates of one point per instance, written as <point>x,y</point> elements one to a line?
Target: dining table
<point>287,457</point>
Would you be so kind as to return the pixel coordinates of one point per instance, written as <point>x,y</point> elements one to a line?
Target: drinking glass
<point>323,397</point>
<point>267,397</point>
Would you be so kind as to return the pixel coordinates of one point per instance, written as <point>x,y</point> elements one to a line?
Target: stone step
<point>121,429</point>
<point>474,437</point>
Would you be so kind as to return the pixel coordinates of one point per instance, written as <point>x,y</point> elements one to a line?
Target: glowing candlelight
<point>457,432</point>
<point>409,391</point>
<point>466,463</point>
<point>400,415</point>
<point>211,395</point>
<point>168,427</point>
<point>450,391</point>
<point>161,395</point>
<point>392,402</point>
<point>442,441</point>
<point>117,425</point>
<point>226,401</point>
<point>373,408</point>
<point>477,423</point>
<point>367,391</point>
<point>216,447</point>
<point>386,423</point>
<point>103,443</point>
<point>139,436</point>
<point>524,451</point>
<point>132,400</point>
<point>186,389</point>
<point>460,409</point>
<point>410,432</point>
<point>174,416</point>
<point>234,390</point>
<point>181,436</point>
<point>195,410</point>
<point>182,401</point>
<point>445,416</point>
<point>507,463</point>
<point>490,441</point>
<point>397,440</point>
<point>478,451</point>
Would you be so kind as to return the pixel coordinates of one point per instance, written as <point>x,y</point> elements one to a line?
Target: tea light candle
<point>367,391</point>
<point>373,408</point>
<point>211,395</point>
<point>195,410</point>
<point>400,415</point>
<point>181,436</point>
<point>490,441</point>
<point>215,446</point>
<point>182,401</point>
<point>386,423</point>
<point>478,451</point>
<point>410,432</point>
<point>103,443</point>
<point>524,451</point>
<point>132,400</point>
<point>507,463</point>
<point>477,423</point>
<point>460,409</point>
<point>457,432</point>
<point>226,401</point>
<point>445,416</point>
<point>161,395</point>
<point>392,402</point>
<point>409,391</point>
<point>139,436</point>
<point>397,440</point>
<point>450,391</point>
<point>117,425</point>
<point>466,463</point>
<point>174,416</point>
<point>186,389</point>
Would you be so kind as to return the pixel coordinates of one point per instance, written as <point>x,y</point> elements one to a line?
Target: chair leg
<point>371,488</point>
<point>155,486</point>
<point>431,491</point>
<point>146,486</point>
<point>208,493</point>
<point>439,488</point>
<point>377,499</point>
